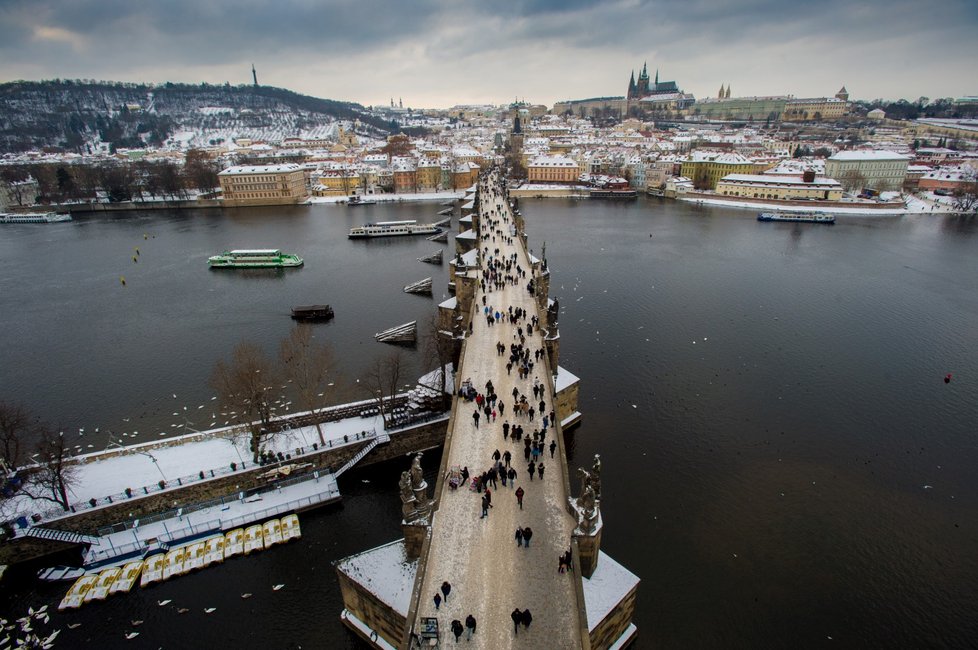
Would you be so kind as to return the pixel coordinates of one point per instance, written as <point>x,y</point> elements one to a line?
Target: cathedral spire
<point>720,96</point>
<point>656,76</point>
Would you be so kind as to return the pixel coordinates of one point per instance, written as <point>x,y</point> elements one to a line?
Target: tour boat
<point>57,573</point>
<point>257,258</point>
<point>34,217</point>
<point>359,200</point>
<point>393,229</point>
<point>807,217</point>
<point>76,594</point>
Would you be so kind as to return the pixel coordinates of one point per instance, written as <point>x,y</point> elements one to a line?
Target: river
<point>783,463</point>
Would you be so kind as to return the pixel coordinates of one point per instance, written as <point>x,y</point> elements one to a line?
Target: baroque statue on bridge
<point>414,492</point>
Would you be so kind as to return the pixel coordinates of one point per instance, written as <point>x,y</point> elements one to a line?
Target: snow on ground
<point>386,572</point>
<point>606,587</point>
<point>480,556</point>
<point>393,198</point>
<point>144,465</point>
<point>912,206</point>
<point>565,379</point>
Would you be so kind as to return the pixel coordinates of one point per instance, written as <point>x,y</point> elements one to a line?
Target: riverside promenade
<point>490,574</point>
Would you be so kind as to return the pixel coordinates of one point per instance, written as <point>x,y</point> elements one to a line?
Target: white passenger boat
<point>34,217</point>
<point>393,229</point>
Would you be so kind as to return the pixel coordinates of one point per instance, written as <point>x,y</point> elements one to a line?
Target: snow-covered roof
<point>780,180</point>
<point>468,234</point>
<point>260,169</point>
<point>564,379</point>
<point>552,161</point>
<point>867,155</point>
<point>386,572</point>
<point>606,587</point>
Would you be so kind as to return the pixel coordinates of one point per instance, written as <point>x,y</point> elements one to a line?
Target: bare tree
<point>966,196</point>
<point>382,380</point>
<point>53,478</point>
<point>244,387</point>
<point>18,431</point>
<point>853,180</point>
<point>439,348</point>
<point>307,364</point>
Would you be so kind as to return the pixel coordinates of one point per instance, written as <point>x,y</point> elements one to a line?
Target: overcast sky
<point>437,53</point>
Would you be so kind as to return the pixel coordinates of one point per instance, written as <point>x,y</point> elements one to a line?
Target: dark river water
<point>784,464</point>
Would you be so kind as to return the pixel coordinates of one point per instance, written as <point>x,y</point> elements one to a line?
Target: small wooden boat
<point>103,586</point>
<point>290,527</point>
<point>195,557</point>
<point>214,550</point>
<point>406,333</point>
<point>272,532</point>
<point>174,562</point>
<point>421,286</point>
<point>312,312</point>
<point>130,573</point>
<point>152,569</point>
<point>253,539</point>
<point>78,591</point>
<point>233,543</point>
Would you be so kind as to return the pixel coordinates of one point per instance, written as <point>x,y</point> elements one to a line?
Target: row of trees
<point>39,452</point>
<point>118,180</point>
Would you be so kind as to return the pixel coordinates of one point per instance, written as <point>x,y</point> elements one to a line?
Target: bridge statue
<point>415,503</point>
<point>596,476</point>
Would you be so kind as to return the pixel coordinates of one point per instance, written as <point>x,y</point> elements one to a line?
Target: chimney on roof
<point>808,176</point>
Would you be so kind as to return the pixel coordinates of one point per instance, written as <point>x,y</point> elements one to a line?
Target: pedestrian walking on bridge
<point>517,617</point>
<point>446,589</point>
<point>469,627</point>
<point>527,534</point>
<point>457,629</point>
<point>519,496</point>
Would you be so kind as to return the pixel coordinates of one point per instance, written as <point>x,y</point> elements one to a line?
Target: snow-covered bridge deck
<point>490,575</point>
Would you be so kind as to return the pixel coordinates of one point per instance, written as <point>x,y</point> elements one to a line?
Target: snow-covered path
<point>490,575</point>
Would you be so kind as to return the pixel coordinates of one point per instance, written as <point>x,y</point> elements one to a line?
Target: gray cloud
<point>464,50</point>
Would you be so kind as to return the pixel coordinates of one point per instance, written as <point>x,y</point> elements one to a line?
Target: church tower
<point>720,96</point>
<point>631,87</point>
<point>727,94</point>
<point>843,94</point>
<point>642,90</point>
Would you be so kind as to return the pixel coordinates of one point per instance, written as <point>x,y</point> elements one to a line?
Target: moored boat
<point>253,539</point>
<point>272,532</point>
<point>254,258</point>
<point>312,312</point>
<point>103,587</point>
<point>152,569</point>
<point>233,543</point>
<point>34,217</point>
<point>290,527</point>
<point>78,591</point>
<point>806,217</point>
<point>393,229</point>
<point>126,580</point>
<point>359,200</point>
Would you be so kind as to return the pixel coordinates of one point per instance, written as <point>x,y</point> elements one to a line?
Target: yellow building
<point>263,185</point>
<point>857,170</point>
<point>335,183</point>
<point>428,175</point>
<point>818,109</point>
<point>552,169</point>
<point>706,168</point>
<point>780,187</point>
